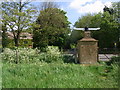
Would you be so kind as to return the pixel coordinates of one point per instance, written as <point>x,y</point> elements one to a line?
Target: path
<point>102,57</point>
<point>106,57</point>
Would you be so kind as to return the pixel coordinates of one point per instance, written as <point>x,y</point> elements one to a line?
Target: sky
<point>78,8</point>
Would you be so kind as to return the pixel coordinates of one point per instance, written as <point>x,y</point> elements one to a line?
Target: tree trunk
<point>17,57</point>
<point>16,40</point>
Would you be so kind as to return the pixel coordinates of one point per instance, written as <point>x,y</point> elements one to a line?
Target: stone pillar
<point>87,49</point>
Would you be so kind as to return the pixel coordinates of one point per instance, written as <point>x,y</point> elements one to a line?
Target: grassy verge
<point>52,69</point>
<point>54,75</point>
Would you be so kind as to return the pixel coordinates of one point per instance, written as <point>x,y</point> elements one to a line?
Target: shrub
<point>28,55</point>
<point>52,55</point>
<point>19,54</point>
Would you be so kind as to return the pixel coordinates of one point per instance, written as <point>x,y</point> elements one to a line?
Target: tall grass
<point>47,70</point>
<point>53,75</point>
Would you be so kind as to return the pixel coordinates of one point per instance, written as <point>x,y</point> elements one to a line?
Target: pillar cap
<point>88,39</point>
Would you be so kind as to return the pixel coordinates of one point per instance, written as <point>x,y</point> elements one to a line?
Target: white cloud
<point>88,6</point>
<point>108,4</point>
<point>77,3</point>
<point>92,8</point>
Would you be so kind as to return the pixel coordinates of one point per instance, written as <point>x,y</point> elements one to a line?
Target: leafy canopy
<point>54,27</point>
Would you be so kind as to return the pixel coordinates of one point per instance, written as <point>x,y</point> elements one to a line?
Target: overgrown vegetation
<point>56,75</point>
<point>53,70</point>
<point>31,68</point>
<point>28,55</point>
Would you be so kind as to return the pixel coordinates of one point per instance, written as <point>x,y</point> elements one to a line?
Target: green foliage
<point>116,9</point>
<point>84,21</point>
<point>47,70</point>
<point>23,55</point>
<point>22,43</point>
<point>75,36</point>
<point>112,69</point>
<point>28,55</point>
<point>52,55</point>
<point>54,28</point>
<point>72,45</point>
<point>54,75</point>
<point>109,32</point>
<point>4,37</point>
<point>25,42</point>
<point>11,43</point>
<point>18,16</point>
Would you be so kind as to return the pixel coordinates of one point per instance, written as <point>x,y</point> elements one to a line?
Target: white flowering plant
<point>28,55</point>
<point>19,54</point>
<point>53,54</point>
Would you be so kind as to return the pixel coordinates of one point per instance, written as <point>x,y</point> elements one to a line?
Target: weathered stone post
<point>87,49</point>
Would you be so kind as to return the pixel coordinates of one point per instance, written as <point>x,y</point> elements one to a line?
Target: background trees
<point>85,21</point>
<point>109,33</point>
<point>54,27</point>
<point>18,17</point>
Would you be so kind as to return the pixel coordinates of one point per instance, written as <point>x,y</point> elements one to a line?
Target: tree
<point>88,20</point>
<point>116,8</point>
<point>108,34</point>
<point>84,21</point>
<point>110,26</point>
<point>109,31</point>
<point>110,10</point>
<point>4,36</point>
<point>46,5</point>
<point>18,17</point>
<point>54,27</point>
